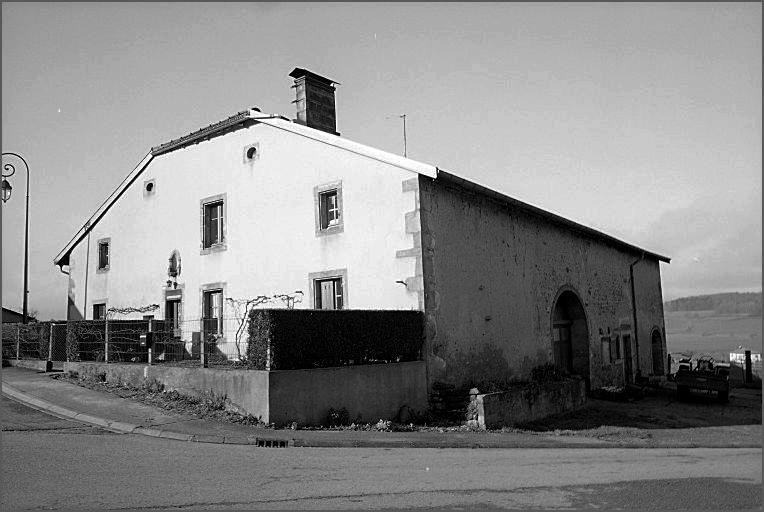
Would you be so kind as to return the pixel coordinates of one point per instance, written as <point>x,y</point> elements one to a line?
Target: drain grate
<point>272,443</point>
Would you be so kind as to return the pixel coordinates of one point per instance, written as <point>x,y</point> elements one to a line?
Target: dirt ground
<point>660,409</point>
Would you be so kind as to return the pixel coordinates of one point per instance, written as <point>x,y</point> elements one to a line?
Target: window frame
<point>103,242</point>
<point>319,192</point>
<point>208,290</point>
<point>99,304</point>
<point>315,278</point>
<point>222,243</point>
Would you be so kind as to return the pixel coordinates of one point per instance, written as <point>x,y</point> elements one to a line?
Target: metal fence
<point>37,340</point>
<point>209,342</point>
<point>197,342</point>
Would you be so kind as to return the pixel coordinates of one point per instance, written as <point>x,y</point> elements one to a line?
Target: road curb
<point>69,414</point>
<point>122,427</point>
<point>274,440</point>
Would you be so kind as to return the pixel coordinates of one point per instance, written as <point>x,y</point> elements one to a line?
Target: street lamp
<point>6,190</point>
<point>8,171</point>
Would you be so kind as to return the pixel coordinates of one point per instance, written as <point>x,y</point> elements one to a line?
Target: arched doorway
<point>657,349</point>
<point>570,335</point>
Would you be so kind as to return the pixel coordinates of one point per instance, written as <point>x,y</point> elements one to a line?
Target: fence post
<point>106,341</point>
<point>49,363</point>
<point>203,346</point>
<point>151,325</point>
<point>18,342</point>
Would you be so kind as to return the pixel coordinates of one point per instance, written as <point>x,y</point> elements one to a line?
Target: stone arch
<point>570,333</point>
<point>656,345</point>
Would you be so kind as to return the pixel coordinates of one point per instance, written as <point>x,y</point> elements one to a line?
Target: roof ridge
<point>239,117</point>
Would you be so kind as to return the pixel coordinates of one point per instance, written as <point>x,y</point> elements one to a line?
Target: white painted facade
<point>271,244</point>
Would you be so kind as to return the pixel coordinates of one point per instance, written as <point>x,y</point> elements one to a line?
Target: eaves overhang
<point>62,258</point>
<point>449,178</point>
<point>237,121</point>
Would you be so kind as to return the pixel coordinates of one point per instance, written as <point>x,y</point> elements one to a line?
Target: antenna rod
<point>403,116</point>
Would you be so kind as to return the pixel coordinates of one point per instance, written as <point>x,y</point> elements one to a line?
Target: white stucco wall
<point>270,226</point>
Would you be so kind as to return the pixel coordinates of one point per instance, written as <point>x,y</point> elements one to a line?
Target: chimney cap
<point>300,72</point>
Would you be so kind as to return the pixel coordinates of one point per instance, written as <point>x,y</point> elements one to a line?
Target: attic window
<point>251,153</point>
<point>149,187</point>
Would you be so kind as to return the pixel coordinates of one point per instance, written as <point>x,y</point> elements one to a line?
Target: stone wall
<point>528,403</point>
<point>493,271</point>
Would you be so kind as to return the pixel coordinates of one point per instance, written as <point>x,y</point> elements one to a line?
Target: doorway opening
<point>570,335</point>
<point>657,349</point>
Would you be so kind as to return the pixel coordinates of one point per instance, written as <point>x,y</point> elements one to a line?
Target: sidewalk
<point>116,414</point>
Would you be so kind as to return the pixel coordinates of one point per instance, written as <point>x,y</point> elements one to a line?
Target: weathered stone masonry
<point>492,273</point>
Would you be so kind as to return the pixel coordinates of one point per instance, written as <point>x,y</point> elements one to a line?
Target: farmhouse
<point>258,204</point>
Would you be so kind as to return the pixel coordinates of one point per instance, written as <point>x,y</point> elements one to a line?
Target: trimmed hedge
<point>313,338</point>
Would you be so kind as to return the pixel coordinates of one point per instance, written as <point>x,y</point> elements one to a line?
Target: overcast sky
<point>641,120</point>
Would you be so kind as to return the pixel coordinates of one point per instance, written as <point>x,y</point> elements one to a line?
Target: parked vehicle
<point>707,375</point>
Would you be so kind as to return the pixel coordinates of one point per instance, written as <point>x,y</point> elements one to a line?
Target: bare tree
<point>241,309</point>
<point>290,299</point>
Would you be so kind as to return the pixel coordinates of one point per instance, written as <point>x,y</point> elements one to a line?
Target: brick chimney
<point>315,100</point>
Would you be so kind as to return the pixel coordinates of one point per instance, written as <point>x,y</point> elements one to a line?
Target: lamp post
<point>8,171</point>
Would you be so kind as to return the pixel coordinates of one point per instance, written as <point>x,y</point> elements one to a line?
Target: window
<point>99,311</point>
<point>213,224</point>
<point>103,254</point>
<point>330,209</point>
<point>212,308</point>
<point>328,199</point>
<point>149,187</point>
<point>617,347</point>
<point>213,231</point>
<point>251,153</point>
<point>328,293</point>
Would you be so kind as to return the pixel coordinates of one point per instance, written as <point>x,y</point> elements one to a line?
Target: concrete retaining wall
<point>372,391</point>
<point>32,364</point>
<point>246,389</point>
<point>507,408</point>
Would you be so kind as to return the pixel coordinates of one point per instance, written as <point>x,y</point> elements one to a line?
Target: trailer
<point>706,376</point>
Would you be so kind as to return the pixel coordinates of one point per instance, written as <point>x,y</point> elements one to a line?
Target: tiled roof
<point>212,130</point>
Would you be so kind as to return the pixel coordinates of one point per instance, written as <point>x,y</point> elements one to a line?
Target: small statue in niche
<point>173,270</point>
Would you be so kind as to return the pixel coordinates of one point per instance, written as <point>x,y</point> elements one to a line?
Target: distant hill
<point>721,303</point>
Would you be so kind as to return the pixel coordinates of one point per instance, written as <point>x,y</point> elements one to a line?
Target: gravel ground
<point>660,410</point>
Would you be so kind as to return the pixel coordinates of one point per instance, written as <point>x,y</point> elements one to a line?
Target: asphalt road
<point>51,463</point>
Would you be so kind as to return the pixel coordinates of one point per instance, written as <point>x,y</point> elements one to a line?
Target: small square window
<point>99,311</point>
<point>328,293</point>
<point>103,254</point>
<point>328,199</point>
